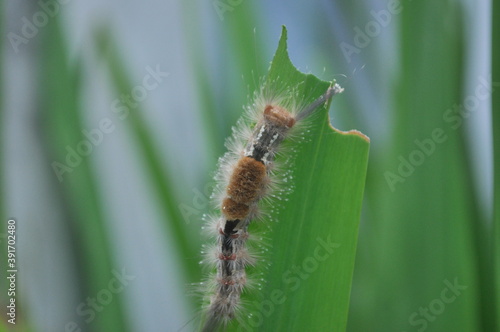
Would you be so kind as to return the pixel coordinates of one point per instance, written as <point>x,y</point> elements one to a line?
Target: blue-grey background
<point>174,35</point>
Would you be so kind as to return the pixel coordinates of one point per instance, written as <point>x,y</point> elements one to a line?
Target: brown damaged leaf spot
<point>349,132</point>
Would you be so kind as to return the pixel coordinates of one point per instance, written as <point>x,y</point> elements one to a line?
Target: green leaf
<point>317,226</point>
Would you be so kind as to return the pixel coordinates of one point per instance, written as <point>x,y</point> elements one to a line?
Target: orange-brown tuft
<point>247,181</point>
<point>278,116</point>
<point>233,210</point>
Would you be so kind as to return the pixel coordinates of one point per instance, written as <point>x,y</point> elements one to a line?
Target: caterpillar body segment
<point>245,178</point>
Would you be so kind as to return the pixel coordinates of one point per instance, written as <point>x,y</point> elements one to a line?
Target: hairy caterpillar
<point>245,178</point>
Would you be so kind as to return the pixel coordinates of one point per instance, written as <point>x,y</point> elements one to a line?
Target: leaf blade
<point>341,161</point>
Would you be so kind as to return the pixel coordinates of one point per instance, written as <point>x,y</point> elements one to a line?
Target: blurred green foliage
<point>422,233</point>
<point>495,105</point>
<point>80,194</point>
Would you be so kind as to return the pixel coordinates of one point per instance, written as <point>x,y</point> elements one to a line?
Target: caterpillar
<point>245,178</point>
